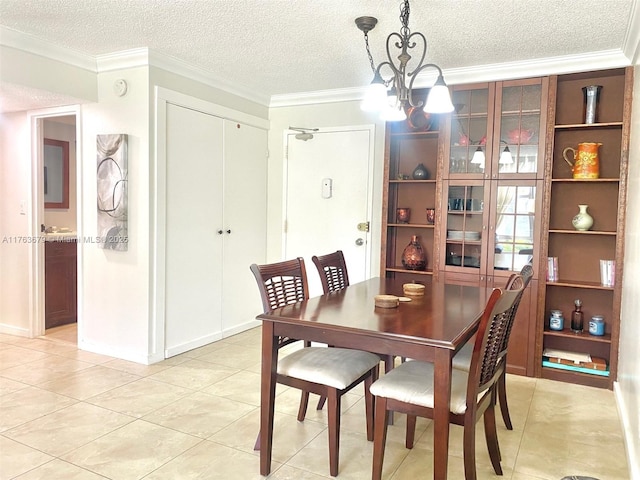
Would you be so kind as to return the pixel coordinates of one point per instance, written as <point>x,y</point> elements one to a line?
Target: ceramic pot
<point>413,256</point>
<point>582,221</point>
<point>586,162</point>
<point>420,173</point>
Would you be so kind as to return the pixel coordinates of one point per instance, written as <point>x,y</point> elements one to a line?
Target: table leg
<point>442,388</point>
<point>267,394</point>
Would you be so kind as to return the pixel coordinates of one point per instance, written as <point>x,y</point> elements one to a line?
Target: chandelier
<point>390,97</point>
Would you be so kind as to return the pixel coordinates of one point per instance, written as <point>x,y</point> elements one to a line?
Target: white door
<point>328,192</point>
<point>245,223</point>
<point>193,217</point>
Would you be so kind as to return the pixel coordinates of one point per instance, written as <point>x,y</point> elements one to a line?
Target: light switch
<point>23,207</point>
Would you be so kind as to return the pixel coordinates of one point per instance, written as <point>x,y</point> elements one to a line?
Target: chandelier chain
<point>366,41</point>
<point>404,19</point>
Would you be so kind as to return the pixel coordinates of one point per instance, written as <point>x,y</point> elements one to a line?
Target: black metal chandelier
<point>390,97</point>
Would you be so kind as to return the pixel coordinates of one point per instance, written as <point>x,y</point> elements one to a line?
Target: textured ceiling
<point>276,47</point>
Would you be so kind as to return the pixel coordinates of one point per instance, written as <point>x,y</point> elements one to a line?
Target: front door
<point>328,195</point>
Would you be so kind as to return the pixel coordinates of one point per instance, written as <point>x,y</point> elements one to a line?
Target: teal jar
<point>596,325</point>
<point>556,320</point>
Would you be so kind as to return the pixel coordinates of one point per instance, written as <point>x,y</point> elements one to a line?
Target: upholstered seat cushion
<point>412,382</point>
<point>335,367</point>
<point>462,359</point>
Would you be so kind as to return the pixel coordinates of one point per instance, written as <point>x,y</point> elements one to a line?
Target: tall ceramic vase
<point>582,221</point>
<point>413,256</point>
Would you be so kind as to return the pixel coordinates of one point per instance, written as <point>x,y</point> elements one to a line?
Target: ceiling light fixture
<point>390,97</point>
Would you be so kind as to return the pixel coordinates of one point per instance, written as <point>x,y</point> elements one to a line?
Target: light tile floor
<point>69,414</point>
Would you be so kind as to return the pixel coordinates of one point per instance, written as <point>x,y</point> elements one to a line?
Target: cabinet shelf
<point>465,242</point>
<point>574,284</point>
<point>580,232</point>
<point>465,212</point>
<point>413,225</point>
<point>554,373</point>
<point>585,180</point>
<point>428,133</point>
<point>568,334</point>
<point>576,126</point>
<point>412,181</point>
<point>401,269</point>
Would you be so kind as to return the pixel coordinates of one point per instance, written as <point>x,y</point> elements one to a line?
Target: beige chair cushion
<point>462,359</point>
<point>335,367</point>
<point>412,382</point>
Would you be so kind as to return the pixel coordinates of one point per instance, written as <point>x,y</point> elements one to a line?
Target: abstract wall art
<point>112,192</point>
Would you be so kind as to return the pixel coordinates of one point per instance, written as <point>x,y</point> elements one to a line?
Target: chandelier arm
<point>414,75</point>
<point>394,71</point>
<point>424,51</point>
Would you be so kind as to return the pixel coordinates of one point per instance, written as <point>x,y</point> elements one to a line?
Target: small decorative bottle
<point>413,256</point>
<point>577,317</point>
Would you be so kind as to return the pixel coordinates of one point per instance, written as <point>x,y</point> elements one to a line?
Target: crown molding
<point>631,45</point>
<point>320,96</point>
<point>535,68</point>
<point>29,43</point>
<point>482,73</point>
<point>146,57</point>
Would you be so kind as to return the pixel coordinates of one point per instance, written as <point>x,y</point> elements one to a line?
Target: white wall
<point>628,385</point>
<point>15,178</point>
<point>63,217</point>
<point>114,305</point>
<point>326,115</point>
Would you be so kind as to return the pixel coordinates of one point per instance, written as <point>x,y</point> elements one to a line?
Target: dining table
<point>431,327</point>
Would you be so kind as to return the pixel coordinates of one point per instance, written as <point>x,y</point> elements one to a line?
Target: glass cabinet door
<point>516,148</point>
<point>464,228</point>
<point>470,124</point>
<point>515,226</point>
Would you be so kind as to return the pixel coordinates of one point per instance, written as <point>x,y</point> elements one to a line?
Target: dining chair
<point>329,372</point>
<point>462,360</point>
<point>408,388</point>
<point>332,269</point>
<point>334,276</point>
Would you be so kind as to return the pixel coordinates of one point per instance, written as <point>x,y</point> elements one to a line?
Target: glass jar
<point>596,325</point>
<point>556,320</point>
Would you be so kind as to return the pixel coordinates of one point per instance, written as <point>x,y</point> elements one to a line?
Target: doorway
<point>328,190</point>
<point>61,222</point>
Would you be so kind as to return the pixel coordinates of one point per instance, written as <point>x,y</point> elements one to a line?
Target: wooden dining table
<point>432,328</point>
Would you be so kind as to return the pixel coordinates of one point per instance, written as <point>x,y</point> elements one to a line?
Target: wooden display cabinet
<point>579,252</point>
<point>405,149</point>
<point>492,194</point>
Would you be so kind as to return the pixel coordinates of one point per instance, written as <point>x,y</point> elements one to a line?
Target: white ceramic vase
<point>582,221</point>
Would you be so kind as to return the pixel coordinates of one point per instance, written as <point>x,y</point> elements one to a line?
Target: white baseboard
<point>191,344</point>
<point>632,443</point>
<point>13,330</point>
<point>240,328</point>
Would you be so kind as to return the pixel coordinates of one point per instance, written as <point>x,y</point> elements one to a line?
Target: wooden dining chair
<point>334,276</point>
<point>462,360</point>
<point>332,269</point>
<point>329,372</point>
<point>409,388</point>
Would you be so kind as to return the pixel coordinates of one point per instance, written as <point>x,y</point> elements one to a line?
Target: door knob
<point>228,231</point>
<point>359,242</point>
<point>219,232</point>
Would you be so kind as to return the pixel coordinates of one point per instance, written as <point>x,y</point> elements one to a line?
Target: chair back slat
<point>281,283</point>
<point>332,269</point>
